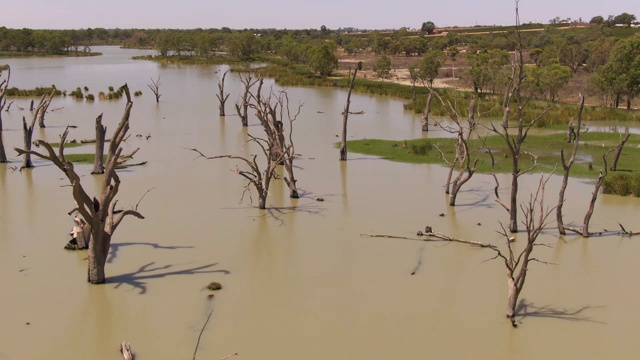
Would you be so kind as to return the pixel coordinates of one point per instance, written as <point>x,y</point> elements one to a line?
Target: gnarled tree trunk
<point>98,212</point>
<point>44,106</point>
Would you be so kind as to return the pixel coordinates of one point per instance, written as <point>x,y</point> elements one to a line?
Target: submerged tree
<point>242,107</point>
<point>101,131</point>
<point>463,159</point>
<point>99,213</point>
<point>345,113</point>
<point>4,84</point>
<point>44,106</point>
<point>275,148</point>
<point>155,88</point>
<point>222,98</point>
<point>517,264</point>
<point>514,142</point>
<point>566,166</point>
<point>28,131</point>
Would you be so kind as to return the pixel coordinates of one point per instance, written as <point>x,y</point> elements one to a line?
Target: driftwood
<point>126,351</point>
<point>628,232</point>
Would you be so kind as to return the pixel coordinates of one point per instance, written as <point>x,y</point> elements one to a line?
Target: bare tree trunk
<point>345,117</point>
<point>571,132</point>
<point>3,98</point>
<point>101,131</point>
<point>512,296</point>
<point>155,88</point>
<point>3,155</point>
<point>614,165</point>
<point>28,133</point>
<point>222,98</point>
<point>427,110</point>
<point>44,106</point>
<point>594,197</point>
<point>567,167</point>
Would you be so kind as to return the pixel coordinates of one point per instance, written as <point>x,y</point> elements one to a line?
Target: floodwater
<point>299,281</point>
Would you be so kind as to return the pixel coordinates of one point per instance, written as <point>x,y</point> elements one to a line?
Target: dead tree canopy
<point>155,88</point>
<point>44,106</point>
<point>99,212</point>
<point>28,131</point>
<point>276,148</point>
<point>242,107</point>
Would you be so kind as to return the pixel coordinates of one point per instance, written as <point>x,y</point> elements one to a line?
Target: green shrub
<point>90,97</point>
<point>422,148</point>
<point>622,184</point>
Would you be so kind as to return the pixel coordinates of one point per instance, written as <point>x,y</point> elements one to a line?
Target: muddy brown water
<point>299,280</point>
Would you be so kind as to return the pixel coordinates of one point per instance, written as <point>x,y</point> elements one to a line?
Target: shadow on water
<point>527,309</point>
<point>137,278</point>
<point>113,253</point>
<point>278,213</point>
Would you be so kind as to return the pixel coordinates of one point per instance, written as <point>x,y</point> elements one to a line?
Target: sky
<point>295,14</point>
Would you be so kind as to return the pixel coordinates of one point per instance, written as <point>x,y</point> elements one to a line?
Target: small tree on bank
<point>99,213</point>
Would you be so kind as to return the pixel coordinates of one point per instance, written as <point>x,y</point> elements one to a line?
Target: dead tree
<point>517,265</point>
<point>222,98</point>
<point>427,110</point>
<point>155,88</point>
<point>101,131</point>
<point>584,230</point>
<point>289,153</point>
<point>242,108</point>
<point>44,106</point>
<point>274,149</point>
<point>515,141</point>
<point>345,114</point>
<point>618,150</point>
<point>463,159</point>
<point>3,100</point>
<point>28,132</point>
<point>99,212</point>
<point>4,85</point>
<point>571,131</point>
<point>566,166</point>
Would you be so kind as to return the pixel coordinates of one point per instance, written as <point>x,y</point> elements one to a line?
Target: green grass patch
<point>81,158</point>
<point>547,147</point>
<point>623,184</point>
<point>68,145</point>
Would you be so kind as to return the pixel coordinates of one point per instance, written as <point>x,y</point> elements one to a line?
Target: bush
<point>90,97</point>
<point>622,184</point>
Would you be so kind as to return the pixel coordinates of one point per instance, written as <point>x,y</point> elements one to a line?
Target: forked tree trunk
<point>27,135</point>
<point>101,131</point>
<point>345,118</point>
<point>155,88</point>
<point>44,106</point>
<point>222,98</point>
<point>614,165</point>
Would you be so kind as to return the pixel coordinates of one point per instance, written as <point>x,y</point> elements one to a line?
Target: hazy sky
<point>294,14</point>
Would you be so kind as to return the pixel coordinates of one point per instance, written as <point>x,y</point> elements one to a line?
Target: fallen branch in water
<point>200,336</point>
<point>230,355</point>
<point>628,233</point>
<point>429,236</point>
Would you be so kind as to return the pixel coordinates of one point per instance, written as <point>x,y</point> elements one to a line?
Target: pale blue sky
<point>294,14</point>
